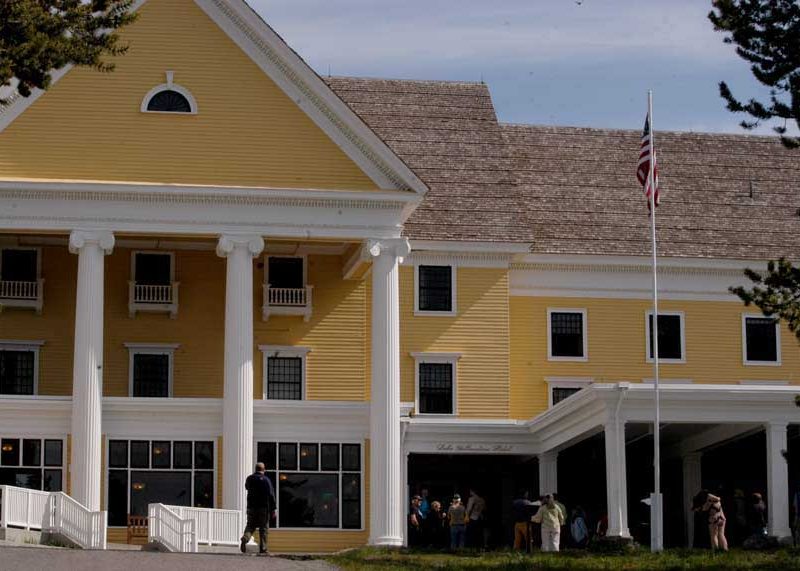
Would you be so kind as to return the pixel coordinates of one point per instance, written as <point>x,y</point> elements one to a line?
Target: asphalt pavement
<point>31,558</point>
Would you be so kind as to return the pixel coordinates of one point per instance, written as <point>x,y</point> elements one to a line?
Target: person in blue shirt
<point>260,507</point>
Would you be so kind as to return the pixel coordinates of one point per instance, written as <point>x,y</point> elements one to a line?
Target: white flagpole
<point>656,534</point>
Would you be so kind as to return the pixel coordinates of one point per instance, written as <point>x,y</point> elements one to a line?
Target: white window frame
<point>27,249</point>
<point>585,333</point>
<point>172,440</point>
<point>289,351</point>
<point>447,358</point>
<point>565,383</point>
<point>777,362</point>
<point>340,472</point>
<point>169,86</point>
<point>648,356</point>
<point>453,291</point>
<point>274,255</point>
<point>167,349</point>
<point>154,253</point>
<point>33,346</point>
<point>42,438</point>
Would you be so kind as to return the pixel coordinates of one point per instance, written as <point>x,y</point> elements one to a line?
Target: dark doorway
<point>496,478</point>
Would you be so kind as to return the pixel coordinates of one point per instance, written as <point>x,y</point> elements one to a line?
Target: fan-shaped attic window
<point>169,97</point>
<point>169,101</point>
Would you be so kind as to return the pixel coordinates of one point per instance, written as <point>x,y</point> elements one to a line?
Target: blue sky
<point>554,62</point>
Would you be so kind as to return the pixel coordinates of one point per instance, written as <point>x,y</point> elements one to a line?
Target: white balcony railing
<point>213,526</point>
<point>153,298</point>
<point>23,508</point>
<point>22,294</point>
<point>81,526</point>
<point>287,301</point>
<point>171,531</point>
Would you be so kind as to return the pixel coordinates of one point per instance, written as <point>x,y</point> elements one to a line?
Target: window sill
<point>435,414</point>
<point>668,361</point>
<point>762,363</point>
<point>431,313</point>
<point>568,359</point>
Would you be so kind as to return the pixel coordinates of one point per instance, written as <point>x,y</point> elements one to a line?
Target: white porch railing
<point>20,507</point>
<point>22,294</point>
<point>287,301</point>
<point>213,526</point>
<point>144,297</point>
<point>70,519</point>
<point>170,530</point>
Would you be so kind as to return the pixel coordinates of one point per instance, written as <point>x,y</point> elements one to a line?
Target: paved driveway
<point>44,559</point>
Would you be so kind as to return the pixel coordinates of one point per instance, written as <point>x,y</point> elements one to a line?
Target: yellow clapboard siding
<point>616,346</point>
<point>479,332</point>
<point>199,327</point>
<point>336,334</point>
<point>247,131</point>
<point>55,326</point>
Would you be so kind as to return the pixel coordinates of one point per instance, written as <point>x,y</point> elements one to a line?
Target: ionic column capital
<point>78,239</point>
<point>398,247</point>
<point>229,242</point>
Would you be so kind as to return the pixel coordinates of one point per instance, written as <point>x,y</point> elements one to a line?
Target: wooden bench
<point>137,529</point>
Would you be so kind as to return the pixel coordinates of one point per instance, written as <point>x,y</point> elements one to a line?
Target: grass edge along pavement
<point>404,559</point>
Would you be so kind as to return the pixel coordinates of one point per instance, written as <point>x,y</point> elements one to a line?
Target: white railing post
<point>3,507</point>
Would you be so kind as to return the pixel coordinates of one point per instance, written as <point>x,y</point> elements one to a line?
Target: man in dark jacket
<point>260,507</point>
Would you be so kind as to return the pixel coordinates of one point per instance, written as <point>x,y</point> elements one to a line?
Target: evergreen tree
<point>38,37</point>
<point>776,293</point>
<point>767,35</point>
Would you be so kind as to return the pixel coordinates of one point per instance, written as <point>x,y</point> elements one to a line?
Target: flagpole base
<point>656,523</point>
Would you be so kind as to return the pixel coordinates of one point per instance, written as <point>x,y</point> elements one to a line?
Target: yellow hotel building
<point>213,256</point>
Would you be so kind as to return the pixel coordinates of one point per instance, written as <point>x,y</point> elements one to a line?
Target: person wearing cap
<point>457,515</point>
<point>552,518</point>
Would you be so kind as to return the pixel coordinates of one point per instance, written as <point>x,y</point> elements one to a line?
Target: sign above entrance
<point>467,447</point>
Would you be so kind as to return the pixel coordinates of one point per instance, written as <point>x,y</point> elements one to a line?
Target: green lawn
<point>379,559</point>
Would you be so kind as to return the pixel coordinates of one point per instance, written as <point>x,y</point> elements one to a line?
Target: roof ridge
<point>406,80</point>
<point>742,136</point>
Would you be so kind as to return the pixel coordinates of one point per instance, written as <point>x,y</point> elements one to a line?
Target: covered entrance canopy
<point>695,418</point>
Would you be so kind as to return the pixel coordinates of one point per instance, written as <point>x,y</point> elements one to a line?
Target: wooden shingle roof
<point>573,190</point>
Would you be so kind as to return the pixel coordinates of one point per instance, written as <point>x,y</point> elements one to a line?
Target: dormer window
<point>153,287</point>
<point>20,278</point>
<point>285,289</point>
<point>169,97</point>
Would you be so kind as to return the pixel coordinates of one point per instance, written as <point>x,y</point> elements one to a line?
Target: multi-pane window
<point>285,272</point>
<point>285,378</point>
<point>317,485</point>
<point>17,371</point>
<point>154,269</point>
<point>670,336</point>
<point>761,343</point>
<point>151,373</point>
<point>435,288</point>
<point>560,393</point>
<point>171,472</point>
<point>436,388</point>
<point>32,463</point>
<point>567,334</point>
<point>19,265</point>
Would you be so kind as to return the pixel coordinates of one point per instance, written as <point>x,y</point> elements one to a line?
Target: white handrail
<point>21,507</point>
<point>170,530</point>
<point>287,296</point>
<point>83,527</point>
<point>213,526</point>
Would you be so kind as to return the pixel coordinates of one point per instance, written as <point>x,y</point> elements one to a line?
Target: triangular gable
<point>300,83</point>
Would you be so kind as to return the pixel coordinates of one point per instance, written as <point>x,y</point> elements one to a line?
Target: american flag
<point>643,168</point>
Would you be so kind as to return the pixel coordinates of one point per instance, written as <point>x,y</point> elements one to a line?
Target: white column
<point>386,504</point>
<point>692,484</point>
<point>616,481</point>
<point>548,473</point>
<point>87,367</point>
<point>777,481</point>
<point>237,408</point>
